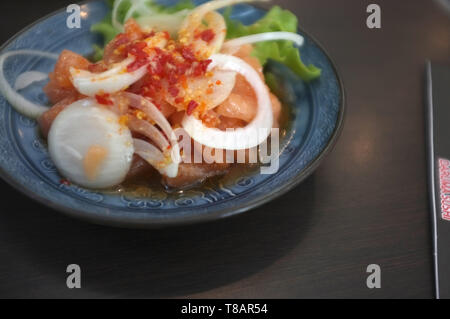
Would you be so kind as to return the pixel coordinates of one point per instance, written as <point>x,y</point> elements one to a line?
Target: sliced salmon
<point>60,86</point>
<point>139,168</point>
<point>45,120</point>
<point>242,103</point>
<point>190,174</point>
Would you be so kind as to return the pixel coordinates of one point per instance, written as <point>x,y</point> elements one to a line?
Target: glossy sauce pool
<point>151,185</point>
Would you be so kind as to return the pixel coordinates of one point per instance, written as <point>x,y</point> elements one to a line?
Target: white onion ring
<point>114,12</point>
<point>155,157</point>
<point>153,113</point>
<point>169,22</point>
<point>136,6</point>
<point>148,130</point>
<point>25,79</point>
<point>114,80</point>
<point>117,78</point>
<point>199,86</point>
<point>233,44</point>
<point>217,24</point>
<point>249,136</point>
<point>21,104</point>
<point>197,14</point>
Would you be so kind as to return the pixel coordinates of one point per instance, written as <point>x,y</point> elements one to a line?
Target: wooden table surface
<point>366,204</point>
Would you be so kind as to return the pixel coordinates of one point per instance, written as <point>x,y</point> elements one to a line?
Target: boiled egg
<point>89,146</point>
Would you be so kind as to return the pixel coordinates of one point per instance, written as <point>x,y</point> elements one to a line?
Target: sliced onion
<point>134,7</point>
<point>138,6</point>
<point>154,114</point>
<point>163,21</point>
<point>21,104</point>
<point>156,158</point>
<point>83,125</point>
<point>159,40</point>
<point>214,20</point>
<point>115,22</point>
<point>148,130</point>
<point>117,78</point>
<point>199,12</point>
<point>114,80</point>
<point>27,78</point>
<point>208,91</point>
<point>216,23</point>
<point>249,136</point>
<point>231,45</point>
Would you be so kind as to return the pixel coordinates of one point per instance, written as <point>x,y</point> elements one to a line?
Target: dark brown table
<point>367,203</point>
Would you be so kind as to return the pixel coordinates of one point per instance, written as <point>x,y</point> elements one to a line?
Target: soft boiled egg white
<point>89,146</point>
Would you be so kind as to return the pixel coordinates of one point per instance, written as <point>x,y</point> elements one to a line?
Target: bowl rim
<point>137,221</point>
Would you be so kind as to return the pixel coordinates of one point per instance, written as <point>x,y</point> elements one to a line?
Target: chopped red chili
<point>201,67</point>
<point>207,35</point>
<point>121,39</point>
<point>191,107</point>
<point>168,70</point>
<point>104,99</point>
<point>136,65</point>
<point>150,34</point>
<point>137,49</point>
<point>174,91</point>
<point>187,54</point>
<point>64,182</point>
<point>158,106</point>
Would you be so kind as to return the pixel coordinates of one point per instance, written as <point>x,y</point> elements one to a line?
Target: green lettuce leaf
<point>276,19</point>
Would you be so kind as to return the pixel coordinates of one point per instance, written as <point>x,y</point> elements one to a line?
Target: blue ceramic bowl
<point>317,114</point>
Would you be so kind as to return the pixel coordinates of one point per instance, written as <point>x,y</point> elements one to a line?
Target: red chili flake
<point>150,34</point>
<point>201,68</point>
<point>174,91</point>
<point>187,54</point>
<point>155,84</point>
<point>218,82</point>
<point>136,49</point>
<point>179,100</point>
<point>167,35</point>
<point>157,105</point>
<point>121,39</point>
<point>207,35</point>
<point>104,99</point>
<point>191,107</point>
<point>64,182</point>
<point>156,68</point>
<point>172,78</point>
<point>158,51</point>
<point>182,68</point>
<point>136,65</point>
